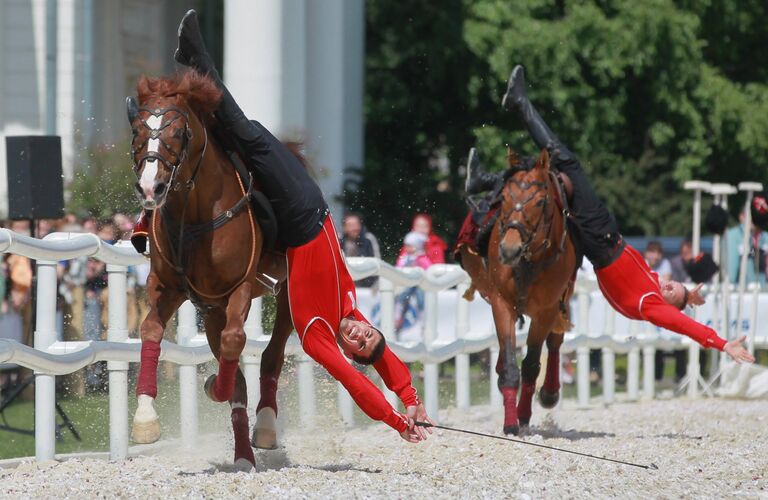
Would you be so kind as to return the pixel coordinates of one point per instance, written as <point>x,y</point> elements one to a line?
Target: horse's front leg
<point>162,304</point>
<point>215,322</point>
<point>265,430</point>
<point>506,366</point>
<point>537,333</point>
<point>221,386</point>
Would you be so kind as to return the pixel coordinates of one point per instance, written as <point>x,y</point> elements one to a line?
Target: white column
<point>462,360</point>
<point>582,352</point>
<point>186,331</point>
<point>609,375</point>
<point>45,385</point>
<point>118,370</point>
<point>633,373</point>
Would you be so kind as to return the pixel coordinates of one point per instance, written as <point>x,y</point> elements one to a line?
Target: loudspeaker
<point>35,185</point>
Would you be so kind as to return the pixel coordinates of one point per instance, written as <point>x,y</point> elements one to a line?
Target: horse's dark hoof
<point>524,422</point>
<point>511,429</point>
<point>548,399</point>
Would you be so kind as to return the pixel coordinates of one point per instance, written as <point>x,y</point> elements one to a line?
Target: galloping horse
<point>205,243</point>
<point>531,265</point>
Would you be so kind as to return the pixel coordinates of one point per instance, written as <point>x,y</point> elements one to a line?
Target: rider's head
<point>360,342</point>
<point>674,293</point>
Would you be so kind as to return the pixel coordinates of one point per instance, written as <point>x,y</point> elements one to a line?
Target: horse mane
<point>516,163</point>
<point>198,90</point>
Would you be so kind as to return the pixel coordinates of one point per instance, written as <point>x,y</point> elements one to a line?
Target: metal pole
<point>45,385</point>
<point>750,188</point>
<point>462,360</point>
<point>431,370</point>
<point>186,331</point>
<point>697,187</point>
<point>117,293</point>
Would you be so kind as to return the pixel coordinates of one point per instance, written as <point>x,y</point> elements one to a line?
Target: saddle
<point>262,208</point>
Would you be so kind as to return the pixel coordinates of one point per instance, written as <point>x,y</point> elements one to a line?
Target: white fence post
<point>609,375</point>
<point>186,331</point>
<point>582,352</point>
<point>649,371</point>
<point>431,370</point>
<point>117,331</point>
<point>252,364</point>
<point>387,322</point>
<point>462,359</point>
<point>494,388</point>
<point>45,385</point>
<point>306,377</point>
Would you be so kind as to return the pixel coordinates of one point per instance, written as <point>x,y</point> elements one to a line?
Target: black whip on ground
<point>427,424</point>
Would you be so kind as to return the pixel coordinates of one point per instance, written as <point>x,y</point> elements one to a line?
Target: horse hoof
<point>208,388</point>
<point>244,465</point>
<point>146,432</point>
<point>524,422</point>
<point>548,399</point>
<point>512,429</point>
<point>265,431</point>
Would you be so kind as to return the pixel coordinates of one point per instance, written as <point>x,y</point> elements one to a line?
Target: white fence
<point>51,357</point>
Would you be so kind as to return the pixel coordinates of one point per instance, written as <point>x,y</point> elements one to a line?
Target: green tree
<point>648,94</point>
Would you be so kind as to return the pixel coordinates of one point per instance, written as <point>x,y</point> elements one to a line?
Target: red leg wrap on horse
<point>509,395</point>
<point>268,397</point>
<point>147,381</point>
<point>242,439</point>
<point>526,397</point>
<point>224,385</point>
<point>552,378</point>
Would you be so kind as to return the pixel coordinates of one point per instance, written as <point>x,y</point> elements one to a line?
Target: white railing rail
<point>51,357</point>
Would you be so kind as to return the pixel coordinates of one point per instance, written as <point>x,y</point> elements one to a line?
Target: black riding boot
<point>192,52</point>
<point>477,179</point>
<point>516,99</point>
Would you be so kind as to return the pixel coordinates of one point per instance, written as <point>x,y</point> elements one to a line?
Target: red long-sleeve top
<point>633,289</point>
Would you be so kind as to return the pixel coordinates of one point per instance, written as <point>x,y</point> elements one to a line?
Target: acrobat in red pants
<point>321,293</point>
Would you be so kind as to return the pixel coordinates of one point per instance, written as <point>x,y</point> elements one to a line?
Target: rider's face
<point>673,293</point>
<point>357,338</point>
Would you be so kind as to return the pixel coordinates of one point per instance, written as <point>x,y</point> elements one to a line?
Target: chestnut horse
<point>205,243</point>
<point>531,265</point>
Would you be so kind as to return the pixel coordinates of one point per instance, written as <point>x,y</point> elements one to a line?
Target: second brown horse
<point>530,269</point>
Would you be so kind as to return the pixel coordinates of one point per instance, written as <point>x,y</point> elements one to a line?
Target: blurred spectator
<point>678,262</point>
<point>654,256</point>
<point>734,238</point>
<point>357,241</point>
<point>123,225</point>
<point>435,246</point>
<point>409,305</point>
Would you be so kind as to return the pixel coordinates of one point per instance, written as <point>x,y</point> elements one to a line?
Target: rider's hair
<point>686,293</point>
<point>376,354</point>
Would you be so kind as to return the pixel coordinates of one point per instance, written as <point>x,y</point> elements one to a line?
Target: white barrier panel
<point>453,329</point>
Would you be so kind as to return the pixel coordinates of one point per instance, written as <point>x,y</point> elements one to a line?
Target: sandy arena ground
<point>707,448</point>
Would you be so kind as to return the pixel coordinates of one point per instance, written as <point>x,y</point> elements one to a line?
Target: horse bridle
<point>156,133</point>
<point>521,226</point>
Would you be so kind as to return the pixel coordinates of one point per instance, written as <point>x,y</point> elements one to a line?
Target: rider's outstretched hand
<point>415,414</point>
<point>694,296</point>
<point>738,352</point>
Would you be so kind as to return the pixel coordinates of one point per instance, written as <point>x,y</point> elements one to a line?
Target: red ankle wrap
<point>147,381</point>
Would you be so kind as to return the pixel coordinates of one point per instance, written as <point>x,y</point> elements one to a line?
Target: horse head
<point>166,129</point>
<point>526,210</point>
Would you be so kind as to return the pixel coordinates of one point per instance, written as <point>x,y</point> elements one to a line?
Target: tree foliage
<point>648,94</point>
